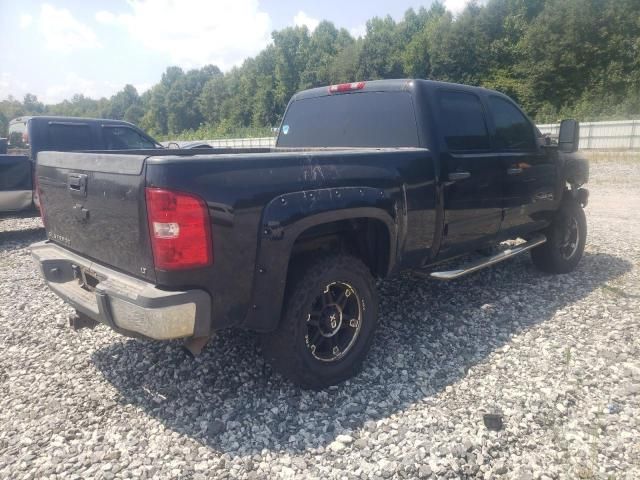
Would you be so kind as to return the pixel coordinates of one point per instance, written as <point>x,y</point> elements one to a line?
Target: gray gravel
<point>508,372</point>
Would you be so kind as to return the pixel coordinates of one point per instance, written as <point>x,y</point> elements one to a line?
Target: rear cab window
<point>462,121</point>
<point>361,119</point>
<point>124,138</point>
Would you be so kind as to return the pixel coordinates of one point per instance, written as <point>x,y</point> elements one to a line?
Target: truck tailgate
<point>93,204</point>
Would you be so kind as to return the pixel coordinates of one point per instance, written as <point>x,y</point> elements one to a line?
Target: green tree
<point>415,56</point>
<point>345,66</point>
<point>32,105</point>
<point>155,117</point>
<point>583,49</point>
<point>380,54</point>
<point>291,48</point>
<point>556,57</point>
<point>214,94</point>
<point>122,101</point>
<point>134,114</point>
<point>325,43</point>
<point>264,110</point>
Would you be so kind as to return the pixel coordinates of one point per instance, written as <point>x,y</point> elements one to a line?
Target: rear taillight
<point>180,230</point>
<point>346,87</point>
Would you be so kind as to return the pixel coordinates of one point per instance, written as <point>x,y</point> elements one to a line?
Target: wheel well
<point>365,238</point>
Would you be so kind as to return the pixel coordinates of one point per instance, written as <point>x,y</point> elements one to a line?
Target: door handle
<point>514,171</point>
<point>453,176</point>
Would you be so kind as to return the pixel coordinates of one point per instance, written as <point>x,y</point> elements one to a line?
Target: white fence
<point>619,135</point>
<point>256,142</point>
<point>259,142</point>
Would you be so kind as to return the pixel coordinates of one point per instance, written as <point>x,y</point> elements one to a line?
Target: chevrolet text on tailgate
<point>367,179</point>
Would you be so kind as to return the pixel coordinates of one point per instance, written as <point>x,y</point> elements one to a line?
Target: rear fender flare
<point>289,215</point>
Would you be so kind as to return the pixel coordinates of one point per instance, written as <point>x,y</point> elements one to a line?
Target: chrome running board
<point>488,261</point>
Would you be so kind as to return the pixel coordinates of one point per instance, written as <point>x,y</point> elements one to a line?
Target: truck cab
<point>495,176</point>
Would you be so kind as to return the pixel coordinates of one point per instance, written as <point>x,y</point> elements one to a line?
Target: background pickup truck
<point>367,180</point>
<point>30,135</point>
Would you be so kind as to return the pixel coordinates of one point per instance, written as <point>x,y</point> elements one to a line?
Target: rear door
<point>472,173</point>
<point>93,204</point>
<point>529,174</point>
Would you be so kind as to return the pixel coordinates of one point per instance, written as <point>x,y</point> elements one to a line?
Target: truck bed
<point>94,206</point>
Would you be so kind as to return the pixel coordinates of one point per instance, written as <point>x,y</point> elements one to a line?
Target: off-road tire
<point>549,256</point>
<point>287,349</point>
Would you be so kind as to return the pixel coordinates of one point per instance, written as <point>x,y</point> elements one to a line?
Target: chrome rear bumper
<point>129,305</point>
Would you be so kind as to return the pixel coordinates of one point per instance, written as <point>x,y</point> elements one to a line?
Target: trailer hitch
<point>79,320</point>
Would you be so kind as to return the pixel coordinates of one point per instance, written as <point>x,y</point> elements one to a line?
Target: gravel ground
<point>506,373</point>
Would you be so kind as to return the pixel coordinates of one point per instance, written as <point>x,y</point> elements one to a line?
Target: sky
<point>55,49</point>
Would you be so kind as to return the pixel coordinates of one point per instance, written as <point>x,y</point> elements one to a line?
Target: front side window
<point>462,120</point>
<point>513,130</point>
<point>124,138</point>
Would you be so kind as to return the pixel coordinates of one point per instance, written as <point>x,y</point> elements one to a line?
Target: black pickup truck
<point>30,135</point>
<point>367,179</point>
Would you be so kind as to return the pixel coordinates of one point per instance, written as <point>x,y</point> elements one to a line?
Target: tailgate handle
<point>77,183</point>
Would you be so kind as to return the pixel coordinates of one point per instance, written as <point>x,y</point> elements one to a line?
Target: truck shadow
<point>430,335</point>
<point>12,239</point>
<point>30,213</point>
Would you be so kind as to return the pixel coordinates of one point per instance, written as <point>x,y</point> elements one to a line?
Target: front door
<point>472,174</point>
<point>529,174</point>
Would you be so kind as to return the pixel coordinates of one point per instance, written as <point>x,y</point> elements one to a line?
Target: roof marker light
<point>346,87</point>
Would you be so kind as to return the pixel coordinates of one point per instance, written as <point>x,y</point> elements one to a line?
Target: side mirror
<point>3,146</point>
<point>569,136</point>
<point>173,145</point>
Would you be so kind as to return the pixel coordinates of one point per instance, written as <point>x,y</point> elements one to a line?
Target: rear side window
<point>124,138</point>
<point>463,124</point>
<point>69,136</point>
<point>513,130</point>
<point>364,119</point>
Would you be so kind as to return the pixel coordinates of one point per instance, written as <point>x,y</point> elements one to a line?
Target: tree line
<point>557,58</point>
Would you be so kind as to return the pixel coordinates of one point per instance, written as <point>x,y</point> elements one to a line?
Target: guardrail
<point>614,135</point>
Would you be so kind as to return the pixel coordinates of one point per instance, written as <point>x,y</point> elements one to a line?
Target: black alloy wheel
<point>333,325</point>
<point>329,319</point>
